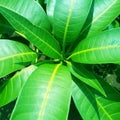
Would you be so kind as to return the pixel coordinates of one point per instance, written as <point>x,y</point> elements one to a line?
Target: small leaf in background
<point>46,94</point>
<point>14,56</point>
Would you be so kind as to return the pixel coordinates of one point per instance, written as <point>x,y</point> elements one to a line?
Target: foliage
<point>45,50</point>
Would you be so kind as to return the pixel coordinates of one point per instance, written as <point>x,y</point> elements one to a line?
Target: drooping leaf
<point>92,106</point>
<point>29,9</point>
<point>14,85</point>
<point>14,56</point>
<point>38,36</point>
<point>105,11</point>
<point>46,94</point>
<point>80,72</point>
<point>68,18</point>
<point>102,48</point>
<point>5,27</point>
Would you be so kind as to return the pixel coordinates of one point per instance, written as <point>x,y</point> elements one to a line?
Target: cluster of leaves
<point>49,69</point>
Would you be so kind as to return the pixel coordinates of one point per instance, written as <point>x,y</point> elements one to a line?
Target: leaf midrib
<point>50,83</point>
<point>16,55</point>
<point>68,21</point>
<point>103,109</point>
<point>94,49</point>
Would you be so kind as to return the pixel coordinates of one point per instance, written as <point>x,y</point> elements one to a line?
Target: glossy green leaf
<point>29,9</point>
<point>104,12</point>
<point>5,27</point>
<point>80,72</point>
<point>102,48</point>
<point>14,85</point>
<point>46,94</point>
<point>68,19</point>
<point>14,56</point>
<point>92,106</point>
<point>38,36</point>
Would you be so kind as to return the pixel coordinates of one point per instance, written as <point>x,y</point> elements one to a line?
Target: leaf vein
<point>68,20</point>
<point>94,49</point>
<point>50,83</point>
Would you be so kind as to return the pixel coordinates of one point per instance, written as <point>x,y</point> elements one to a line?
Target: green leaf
<point>14,56</point>
<point>92,106</point>
<point>38,36</point>
<point>101,48</point>
<point>5,27</point>
<point>29,9</point>
<point>14,85</point>
<point>105,11</point>
<point>46,94</point>
<point>80,72</point>
<point>69,16</point>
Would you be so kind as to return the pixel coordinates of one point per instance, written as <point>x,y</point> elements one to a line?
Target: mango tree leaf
<point>92,106</point>
<point>5,27</point>
<point>102,48</point>
<point>14,85</point>
<point>29,9</point>
<point>38,36</point>
<point>68,19</point>
<point>14,56</point>
<point>80,72</point>
<point>46,94</point>
<point>105,11</point>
